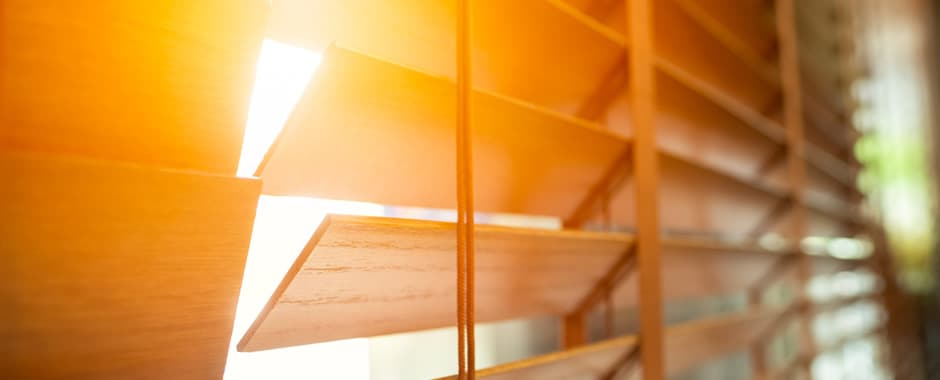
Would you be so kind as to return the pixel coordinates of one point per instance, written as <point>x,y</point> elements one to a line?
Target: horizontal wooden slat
<point>756,184</point>
<point>393,144</point>
<point>751,21</point>
<point>588,362</point>
<point>366,276</point>
<point>830,127</point>
<point>162,83</point>
<point>420,35</point>
<point>695,200</point>
<point>695,343</point>
<point>357,278</point>
<point>691,123</point>
<point>681,40</point>
<point>593,34</point>
<point>744,250</point>
<point>829,165</point>
<point>824,86</point>
<point>836,211</point>
<point>554,57</point>
<point>695,268</point>
<point>118,272</point>
<point>687,345</point>
<point>834,201</point>
<point>730,40</point>
<point>772,130</point>
<point>818,159</point>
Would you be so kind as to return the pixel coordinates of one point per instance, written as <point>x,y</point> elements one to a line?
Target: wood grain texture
<point>367,276</point>
<point>687,345</point>
<point>118,272</point>
<point>164,83</point>
<point>392,144</point>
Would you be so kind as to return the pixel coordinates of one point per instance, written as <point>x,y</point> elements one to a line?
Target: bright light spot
<point>820,288</point>
<point>814,245</point>
<point>283,225</point>
<point>848,248</point>
<point>772,242</point>
<point>848,284</point>
<point>281,77</point>
<point>827,366</point>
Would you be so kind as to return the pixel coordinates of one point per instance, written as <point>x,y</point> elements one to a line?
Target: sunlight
<point>282,227</point>
<point>282,74</point>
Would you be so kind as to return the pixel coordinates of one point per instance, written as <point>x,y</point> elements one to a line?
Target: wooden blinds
<point>688,149</point>
<point>666,136</point>
<point>124,229</point>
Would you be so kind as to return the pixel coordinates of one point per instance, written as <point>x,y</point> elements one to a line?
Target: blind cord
<point>465,222</point>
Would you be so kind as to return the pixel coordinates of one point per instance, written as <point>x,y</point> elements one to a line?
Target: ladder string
<point>465,221</point>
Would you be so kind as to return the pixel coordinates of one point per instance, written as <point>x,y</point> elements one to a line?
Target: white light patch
<point>283,225</point>
<point>281,77</point>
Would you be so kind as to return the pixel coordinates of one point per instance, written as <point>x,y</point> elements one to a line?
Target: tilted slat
<point>833,167</point>
<point>701,268</point>
<point>700,199</point>
<point>553,57</point>
<point>751,21</point>
<point>827,125</point>
<point>694,343</point>
<point>769,128</point>
<point>535,63</point>
<point>367,276</point>
<point>708,217</point>
<point>681,40</point>
<point>368,130</point>
<point>819,85</point>
<point>817,159</point>
<point>730,40</point>
<point>692,121</point>
<point>162,83</point>
<point>844,216</point>
<point>823,187</point>
<point>117,272</point>
<point>687,345</point>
